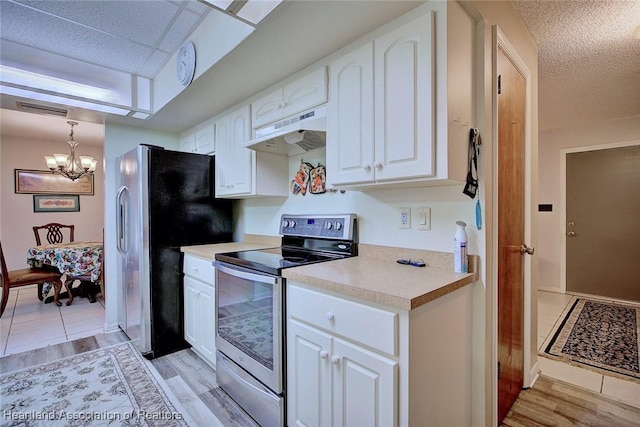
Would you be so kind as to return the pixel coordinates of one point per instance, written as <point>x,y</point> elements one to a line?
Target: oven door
<point>249,328</point>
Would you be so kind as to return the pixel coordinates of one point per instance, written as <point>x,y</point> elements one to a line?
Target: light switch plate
<point>424,218</point>
<point>405,217</point>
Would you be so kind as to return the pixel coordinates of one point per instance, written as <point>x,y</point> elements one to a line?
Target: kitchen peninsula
<point>373,340</point>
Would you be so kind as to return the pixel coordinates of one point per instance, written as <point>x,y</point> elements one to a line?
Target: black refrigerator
<point>165,200</point>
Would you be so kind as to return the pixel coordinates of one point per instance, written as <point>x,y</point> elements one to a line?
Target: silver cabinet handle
<point>571,234</point>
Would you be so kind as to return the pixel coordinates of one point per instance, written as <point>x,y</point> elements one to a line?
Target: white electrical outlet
<point>424,218</point>
<point>405,217</point>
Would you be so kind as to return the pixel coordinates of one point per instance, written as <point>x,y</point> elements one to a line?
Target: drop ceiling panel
<point>26,26</point>
<point>141,21</point>
<point>132,36</point>
<point>184,24</point>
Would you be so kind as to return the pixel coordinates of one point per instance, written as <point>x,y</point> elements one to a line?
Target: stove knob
<point>292,224</point>
<point>329,225</point>
<point>338,225</point>
<point>285,223</point>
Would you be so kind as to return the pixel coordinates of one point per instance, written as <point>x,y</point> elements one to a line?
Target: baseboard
<point>113,327</point>
<point>534,373</point>
<point>550,289</point>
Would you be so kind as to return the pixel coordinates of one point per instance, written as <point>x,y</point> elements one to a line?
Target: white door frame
<point>530,367</point>
<point>563,198</point>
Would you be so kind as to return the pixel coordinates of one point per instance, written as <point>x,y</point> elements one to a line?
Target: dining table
<point>73,259</point>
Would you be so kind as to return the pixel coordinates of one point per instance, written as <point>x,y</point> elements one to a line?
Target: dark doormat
<point>597,335</point>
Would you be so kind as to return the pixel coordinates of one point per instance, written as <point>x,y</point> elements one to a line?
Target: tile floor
<point>550,308</point>
<point>27,323</point>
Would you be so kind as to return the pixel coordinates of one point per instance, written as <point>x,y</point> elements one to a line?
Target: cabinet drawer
<point>199,268</point>
<point>361,323</point>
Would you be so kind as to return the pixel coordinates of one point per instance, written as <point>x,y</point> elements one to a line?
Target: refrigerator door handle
<point>121,206</point>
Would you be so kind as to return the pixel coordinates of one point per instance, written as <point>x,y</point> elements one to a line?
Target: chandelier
<point>68,165</point>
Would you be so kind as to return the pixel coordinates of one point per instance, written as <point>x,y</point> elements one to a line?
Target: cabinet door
<point>235,164</point>
<point>404,101</point>
<point>305,93</point>
<point>308,376</point>
<point>365,390</point>
<point>206,322</point>
<point>190,310</point>
<point>224,153</point>
<point>243,159</point>
<point>204,140</point>
<point>188,143</point>
<point>267,109</point>
<point>350,118</point>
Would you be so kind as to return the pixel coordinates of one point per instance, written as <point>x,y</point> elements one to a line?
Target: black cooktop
<point>273,260</point>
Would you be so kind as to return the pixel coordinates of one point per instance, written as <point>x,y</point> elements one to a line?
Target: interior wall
<point>551,224</point>
<point>504,15</point>
<point>17,209</point>
<point>378,212</point>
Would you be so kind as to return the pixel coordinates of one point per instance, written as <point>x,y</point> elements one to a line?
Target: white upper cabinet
<point>188,142</point>
<point>205,139</point>
<point>350,117</point>
<point>295,97</point>
<point>404,116</point>
<point>242,172</point>
<point>200,139</point>
<point>401,106</point>
<point>234,163</point>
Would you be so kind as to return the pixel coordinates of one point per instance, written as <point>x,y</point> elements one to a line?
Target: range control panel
<point>340,226</point>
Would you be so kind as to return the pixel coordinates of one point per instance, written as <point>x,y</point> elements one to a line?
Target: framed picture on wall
<point>56,203</point>
<point>44,182</point>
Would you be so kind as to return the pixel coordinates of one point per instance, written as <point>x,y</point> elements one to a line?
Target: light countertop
<point>209,251</point>
<point>382,281</point>
<point>376,277</point>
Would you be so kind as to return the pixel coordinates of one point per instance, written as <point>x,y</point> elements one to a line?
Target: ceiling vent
<point>41,109</point>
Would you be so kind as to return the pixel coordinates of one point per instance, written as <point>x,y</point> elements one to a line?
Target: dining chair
<point>24,277</point>
<point>54,233</point>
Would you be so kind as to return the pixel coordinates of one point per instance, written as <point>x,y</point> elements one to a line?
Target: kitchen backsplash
<point>378,212</point>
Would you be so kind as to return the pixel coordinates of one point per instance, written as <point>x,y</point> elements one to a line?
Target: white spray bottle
<point>460,262</point>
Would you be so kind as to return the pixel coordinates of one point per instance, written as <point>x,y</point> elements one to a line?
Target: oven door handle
<point>245,274</point>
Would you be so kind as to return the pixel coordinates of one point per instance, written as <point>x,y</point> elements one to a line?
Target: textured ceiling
<point>589,62</point>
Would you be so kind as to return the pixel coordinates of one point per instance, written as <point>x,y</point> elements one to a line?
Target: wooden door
<point>511,166</point>
<point>603,201</point>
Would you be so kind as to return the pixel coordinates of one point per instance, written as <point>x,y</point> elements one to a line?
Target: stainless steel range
<point>250,309</point>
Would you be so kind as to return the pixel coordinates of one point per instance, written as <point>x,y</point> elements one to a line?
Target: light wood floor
<point>555,403</point>
<point>549,403</point>
<point>189,377</point>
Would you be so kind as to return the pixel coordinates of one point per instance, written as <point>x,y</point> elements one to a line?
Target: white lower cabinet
<point>351,363</point>
<point>332,379</point>
<point>199,307</point>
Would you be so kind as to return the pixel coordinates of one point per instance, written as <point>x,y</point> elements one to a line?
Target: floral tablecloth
<point>71,259</point>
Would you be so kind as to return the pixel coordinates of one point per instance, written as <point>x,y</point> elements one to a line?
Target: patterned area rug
<point>599,336</point>
<point>110,386</point>
<point>252,332</point>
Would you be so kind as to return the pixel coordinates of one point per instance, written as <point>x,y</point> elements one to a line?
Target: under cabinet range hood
<point>293,135</point>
